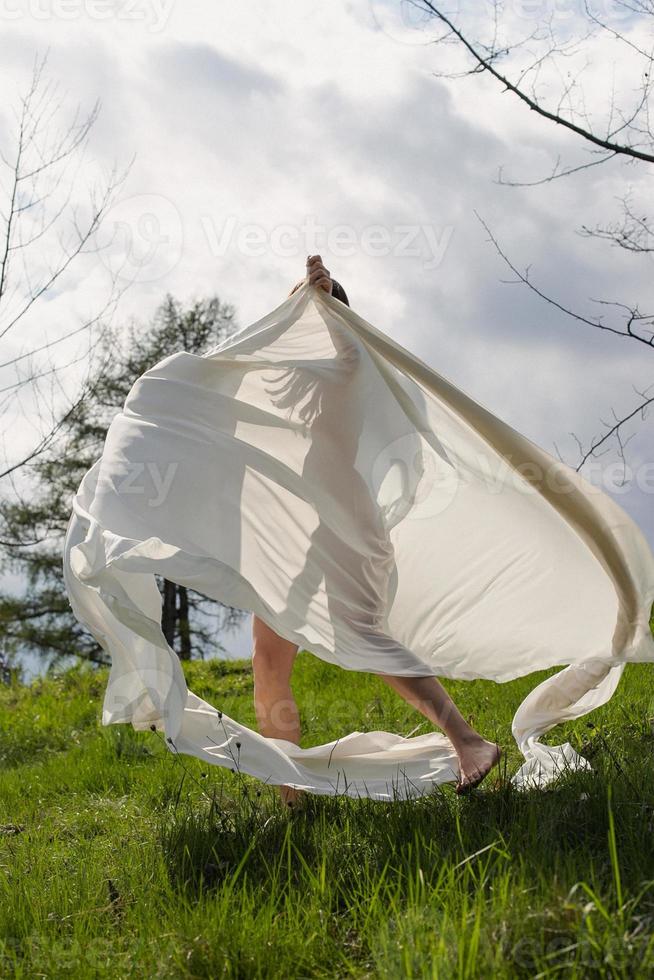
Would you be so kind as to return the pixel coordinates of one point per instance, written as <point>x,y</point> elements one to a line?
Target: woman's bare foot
<point>476,757</point>
<point>290,796</point>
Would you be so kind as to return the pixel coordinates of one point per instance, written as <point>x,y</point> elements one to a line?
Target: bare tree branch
<point>632,314</point>
<point>555,175</point>
<point>628,134</point>
<point>484,61</point>
<point>634,233</point>
<point>42,235</point>
<point>615,430</point>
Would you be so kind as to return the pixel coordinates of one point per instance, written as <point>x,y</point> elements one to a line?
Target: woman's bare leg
<point>278,716</point>
<point>277,713</point>
<point>476,755</point>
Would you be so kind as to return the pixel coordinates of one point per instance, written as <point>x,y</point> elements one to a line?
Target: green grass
<point>119,859</point>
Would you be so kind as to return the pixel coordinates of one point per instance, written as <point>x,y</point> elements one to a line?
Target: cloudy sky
<point>259,132</point>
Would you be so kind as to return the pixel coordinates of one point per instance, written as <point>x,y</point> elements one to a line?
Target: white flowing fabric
<point>311,470</point>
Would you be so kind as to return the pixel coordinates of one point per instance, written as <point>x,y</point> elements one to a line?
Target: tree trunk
<point>183,624</point>
<point>169,612</point>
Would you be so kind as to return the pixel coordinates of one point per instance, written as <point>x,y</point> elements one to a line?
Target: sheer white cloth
<point>313,471</point>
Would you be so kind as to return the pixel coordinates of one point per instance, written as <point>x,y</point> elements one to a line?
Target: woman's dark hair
<point>339,292</point>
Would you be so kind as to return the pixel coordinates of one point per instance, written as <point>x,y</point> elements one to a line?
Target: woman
<point>273,658</point>
<point>363,507</point>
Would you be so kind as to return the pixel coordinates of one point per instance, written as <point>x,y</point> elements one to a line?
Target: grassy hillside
<point>118,859</point>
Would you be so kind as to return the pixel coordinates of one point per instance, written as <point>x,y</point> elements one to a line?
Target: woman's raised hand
<point>318,274</point>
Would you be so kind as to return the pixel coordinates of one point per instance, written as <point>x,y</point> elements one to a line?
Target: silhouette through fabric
<point>313,471</point>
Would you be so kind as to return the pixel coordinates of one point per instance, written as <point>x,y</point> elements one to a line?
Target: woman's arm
<point>319,276</point>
